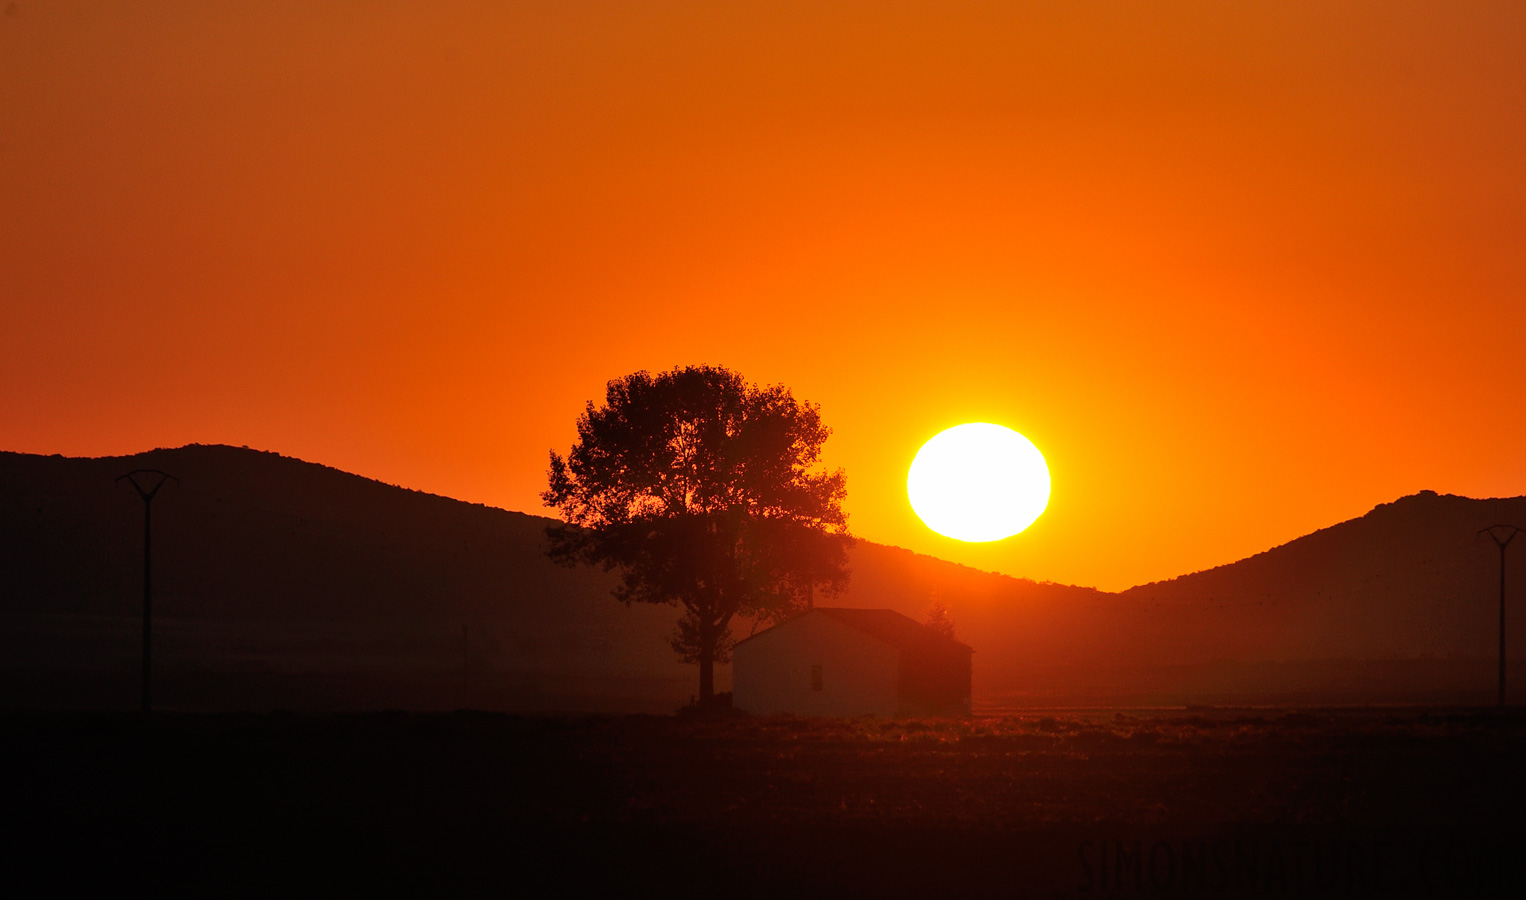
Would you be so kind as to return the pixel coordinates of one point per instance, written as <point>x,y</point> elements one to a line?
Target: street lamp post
<point>1494,532</point>
<point>147,483</point>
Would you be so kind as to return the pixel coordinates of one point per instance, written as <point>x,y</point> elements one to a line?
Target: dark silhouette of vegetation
<point>1378,802</point>
<point>938,618</point>
<point>701,489</point>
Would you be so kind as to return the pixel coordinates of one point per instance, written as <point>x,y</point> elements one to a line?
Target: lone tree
<point>702,490</point>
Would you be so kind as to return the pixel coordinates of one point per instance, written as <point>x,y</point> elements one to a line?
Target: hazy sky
<point>1240,270</point>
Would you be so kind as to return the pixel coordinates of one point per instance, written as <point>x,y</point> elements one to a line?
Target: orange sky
<point>1239,270</point>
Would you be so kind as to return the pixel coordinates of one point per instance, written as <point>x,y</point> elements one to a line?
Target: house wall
<point>935,682</point>
<point>772,672</point>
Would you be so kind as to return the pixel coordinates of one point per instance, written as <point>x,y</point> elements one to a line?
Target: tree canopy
<point>705,492</point>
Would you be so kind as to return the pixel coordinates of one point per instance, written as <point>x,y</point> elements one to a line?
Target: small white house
<point>851,662</point>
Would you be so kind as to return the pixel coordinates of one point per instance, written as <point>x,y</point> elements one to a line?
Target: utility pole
<point>1493,531</point>
<point>147,483</point>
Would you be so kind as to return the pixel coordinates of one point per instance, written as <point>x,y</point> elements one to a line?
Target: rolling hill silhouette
<point>285,584</point>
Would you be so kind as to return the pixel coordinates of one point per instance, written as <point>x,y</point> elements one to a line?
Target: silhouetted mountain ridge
<point>1410,578</point>
<point>310,577</point>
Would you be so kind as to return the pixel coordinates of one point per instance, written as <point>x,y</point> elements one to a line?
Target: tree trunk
<point>710,633</point>
<point>707,674</point>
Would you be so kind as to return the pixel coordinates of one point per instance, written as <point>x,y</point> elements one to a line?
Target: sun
<point>978,482</point>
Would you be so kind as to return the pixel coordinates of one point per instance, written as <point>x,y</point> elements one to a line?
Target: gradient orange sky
<point>1239,270</point>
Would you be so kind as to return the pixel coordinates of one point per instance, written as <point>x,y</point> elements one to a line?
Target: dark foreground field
<point>1336,803</point>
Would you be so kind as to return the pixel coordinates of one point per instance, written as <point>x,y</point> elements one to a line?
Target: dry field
<point>1093,803</point>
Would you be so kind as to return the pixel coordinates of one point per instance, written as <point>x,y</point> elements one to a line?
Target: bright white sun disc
<point>978,482</point>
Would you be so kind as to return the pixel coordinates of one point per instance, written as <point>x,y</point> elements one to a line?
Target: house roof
<point>886,625</point>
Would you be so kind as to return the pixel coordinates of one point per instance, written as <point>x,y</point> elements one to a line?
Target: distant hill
<point>1412,578</point>
<point>282,583</point>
